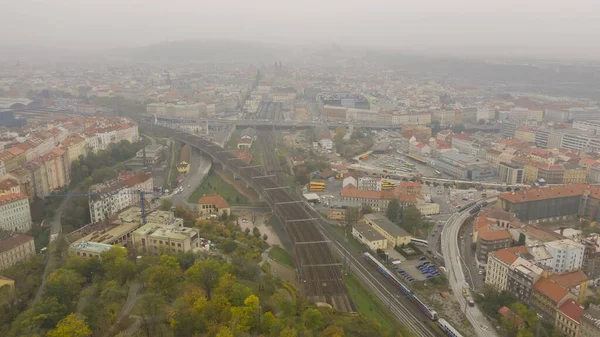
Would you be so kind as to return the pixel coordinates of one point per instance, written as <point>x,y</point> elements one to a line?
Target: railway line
<point>314,242</point>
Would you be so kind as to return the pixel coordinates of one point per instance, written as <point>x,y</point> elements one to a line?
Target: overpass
<point>266,124</point>
<point>319,272</point>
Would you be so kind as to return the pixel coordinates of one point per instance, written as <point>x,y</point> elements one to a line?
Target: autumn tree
<point>73,325</point>
<point>205,273</point>
<point>164,278</point>
<point>153,309</point>
<point>166,204</point>
<point>64,284</point>
<point>313,319</point>
<point>333,331</point>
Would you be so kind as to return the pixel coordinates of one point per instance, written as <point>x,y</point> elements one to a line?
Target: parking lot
<point>416,270</point>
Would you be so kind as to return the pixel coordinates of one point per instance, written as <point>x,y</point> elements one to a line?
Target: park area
<point>213,184</point>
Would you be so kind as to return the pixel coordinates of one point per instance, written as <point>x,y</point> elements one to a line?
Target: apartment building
<point>369,183</point>
<point>378,200</point>
<point>547,297</point>
<point>156,238</point>
<point>9,186</point>
<point>510,173</point>
<point>567,255</point>
<point>394,234</point>
<point>498,265</point>
<point>74,147</point>
<point>568,318</point>
<point>576,282</point>
<point>522,275</point>
<point>15,249</point>
<point>15,215</point>
<point>489,237</point>
<point>590,322</point>
<point>114,196</point>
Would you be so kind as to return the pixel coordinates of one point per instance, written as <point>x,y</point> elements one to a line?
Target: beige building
<point>498,265</point>
<point>395,235</point>
<point>336,214</point>
<point>428,208</point>
<point>15,249</point>
<point>154,238</point>
<point>74,147</point>
<point>369,236</point>
<point>568,317</point>
<point>14,213</point>
<point>213,204</point>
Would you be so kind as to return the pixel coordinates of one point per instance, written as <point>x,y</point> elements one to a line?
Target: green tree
<point>256,232</point>
<point>333,331</point>
<point>351,215</point>
<point>265,237</point>
<point>313,319</point>
<point>366,209</point>
<point>153,309</point>
<point>340,132</point>
<point>458,128</point>
<point>393,211</point>
<point>206,274</point>
<point>64,284</point>
<point>166,204</point>
<point>164,278</point>
<point>73,325</point>
<point>481,121</point>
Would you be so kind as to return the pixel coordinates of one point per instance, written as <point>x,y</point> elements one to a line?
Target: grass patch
<point>213,184</point>
<point>351,239</point>
<point>372,308</point>
<point>257,151</point>
<point>282,256</point>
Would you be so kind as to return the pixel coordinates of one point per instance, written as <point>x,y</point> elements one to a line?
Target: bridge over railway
<point>319,272</point>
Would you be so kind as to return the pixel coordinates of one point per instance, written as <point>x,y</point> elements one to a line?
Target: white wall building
<point>14,213</point>
<point>567,255</point>
<point>369,183</point>
<point>326,143</point>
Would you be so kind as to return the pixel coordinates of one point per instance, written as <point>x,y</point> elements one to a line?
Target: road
<point>199,168</point>
<point>456,277</point>
<point>55,230</point>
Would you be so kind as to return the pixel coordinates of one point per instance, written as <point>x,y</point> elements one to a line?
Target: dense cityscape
<point>320,193</point>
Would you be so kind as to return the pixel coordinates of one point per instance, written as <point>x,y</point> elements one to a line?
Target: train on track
<point>432,314</point>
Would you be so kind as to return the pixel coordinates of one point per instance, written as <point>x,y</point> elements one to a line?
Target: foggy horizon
<point>461,27</point>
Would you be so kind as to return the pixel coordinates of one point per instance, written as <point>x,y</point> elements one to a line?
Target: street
<point>199,168</point>
<point>453,262</point>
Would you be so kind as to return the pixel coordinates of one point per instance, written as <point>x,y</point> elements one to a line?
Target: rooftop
<point>549,192</point>
<point>8,198</point>
<point>166,231</point>
<point>388,226</point>
<point>368,232</point>
<point>571,310</point>
<point>91,247</point>
<point>14,241</point>
<point>550,289</point>
<point>570,279</point>
<point>510,315</point>
<point>592,316</point>
<point>213,199</point>
<point>509,255</point>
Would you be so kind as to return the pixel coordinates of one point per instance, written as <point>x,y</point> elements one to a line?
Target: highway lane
<point>456,277</point>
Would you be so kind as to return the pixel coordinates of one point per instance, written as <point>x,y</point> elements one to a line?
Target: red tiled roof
<point>509,255</point>
<point>213,199</point>
<point>551,192</point>
<point>244,156</point>
<point>571,310</point>
<point>7,198</point>
<point>550,289</point>
<point>510,315</point>
<point>570,279</point>
<point>14,241</point>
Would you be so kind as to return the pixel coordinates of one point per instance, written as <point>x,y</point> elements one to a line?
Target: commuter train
<point>395,281</point>
<point>432,314</point>
<point>467,206</point>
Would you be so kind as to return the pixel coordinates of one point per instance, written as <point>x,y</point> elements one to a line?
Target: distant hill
<point>221,51</point>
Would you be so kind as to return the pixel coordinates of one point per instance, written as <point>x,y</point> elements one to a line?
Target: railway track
<point>314,243</point>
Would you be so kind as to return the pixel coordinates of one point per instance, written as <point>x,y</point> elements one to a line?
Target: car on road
<point>481,272</point>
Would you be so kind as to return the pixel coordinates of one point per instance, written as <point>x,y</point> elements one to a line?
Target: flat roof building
<point>15,249</point>
<point>89,249</point>
<point>394,234</point>
<point>155,238</point>
<point>369,236</point>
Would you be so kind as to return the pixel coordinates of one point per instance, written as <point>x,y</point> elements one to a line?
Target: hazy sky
<point>540,26</point>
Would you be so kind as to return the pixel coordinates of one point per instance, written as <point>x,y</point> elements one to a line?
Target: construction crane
<point>141,193</point>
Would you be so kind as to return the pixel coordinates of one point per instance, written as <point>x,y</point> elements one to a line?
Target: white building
<point>369,236</point>
<point>369,183</point>
<point>326,143</point>
<point>349,181</point>
<point>567,255</point>
<point>118,194</point>
<point>14,213</point>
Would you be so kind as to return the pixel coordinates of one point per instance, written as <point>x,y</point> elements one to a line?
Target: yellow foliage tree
<point>71,326</point>
<point>225,332</point>
<point>333,331</point>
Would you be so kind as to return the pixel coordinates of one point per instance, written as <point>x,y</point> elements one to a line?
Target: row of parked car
<point>426,268</point>
<point>404,274</point>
